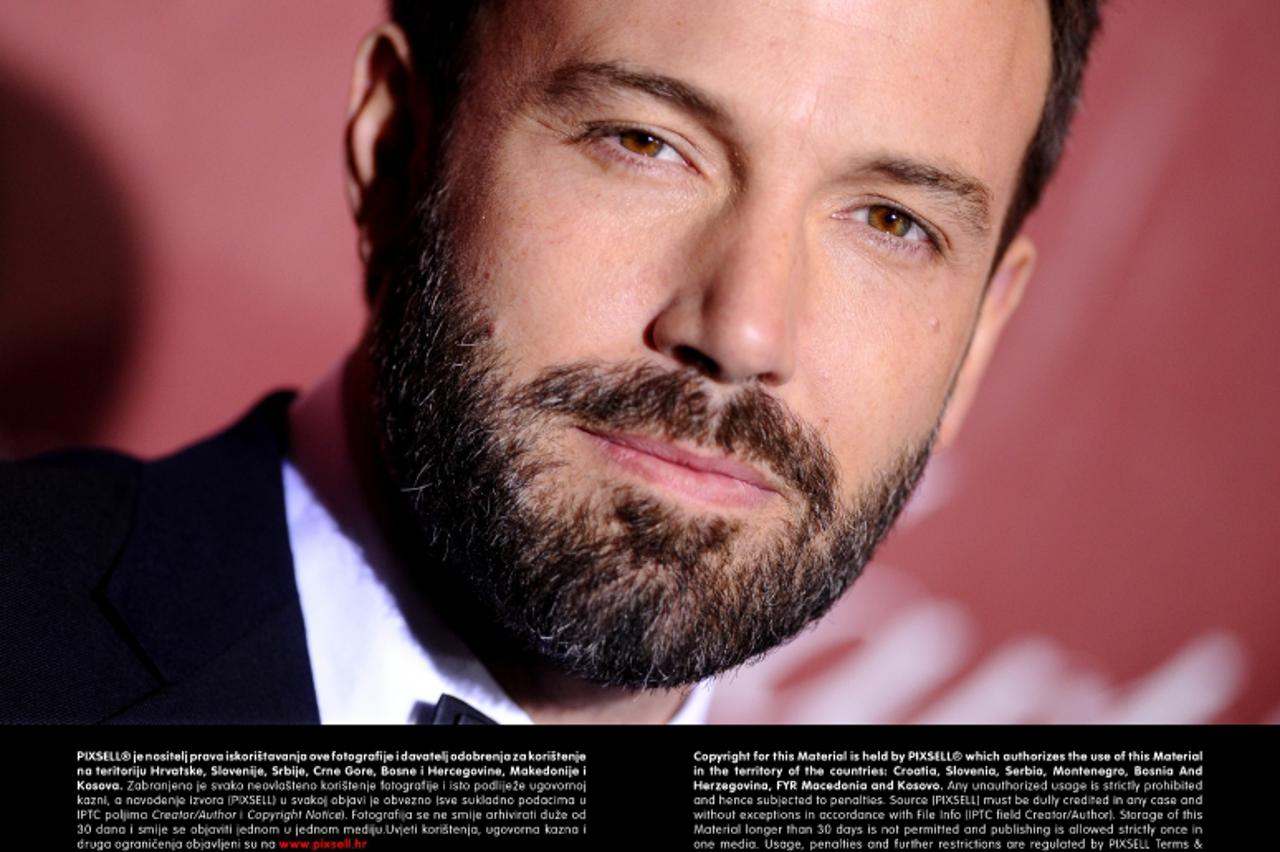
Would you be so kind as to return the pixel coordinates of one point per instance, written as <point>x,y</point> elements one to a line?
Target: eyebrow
<point>969,198</point>
<point>587,80</point>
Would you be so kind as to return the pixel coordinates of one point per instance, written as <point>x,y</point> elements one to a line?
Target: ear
<point>388,117</point>
<point>1004,291</point>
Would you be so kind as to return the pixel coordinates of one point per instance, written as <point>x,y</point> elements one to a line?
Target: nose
<point>733,316</point>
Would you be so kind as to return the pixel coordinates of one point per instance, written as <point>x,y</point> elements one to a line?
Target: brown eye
<point>889,220</point>
<point>639,142</point>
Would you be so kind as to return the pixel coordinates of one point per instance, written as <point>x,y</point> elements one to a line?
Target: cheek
<point>568,270</point>
<point>880,359</point>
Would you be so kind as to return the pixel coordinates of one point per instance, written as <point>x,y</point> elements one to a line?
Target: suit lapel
<point>205,586</point>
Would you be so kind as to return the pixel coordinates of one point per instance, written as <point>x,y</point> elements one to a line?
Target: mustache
<point>645,398</point>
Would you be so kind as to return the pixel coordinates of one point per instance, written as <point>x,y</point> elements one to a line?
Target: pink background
<point>1102,543</point>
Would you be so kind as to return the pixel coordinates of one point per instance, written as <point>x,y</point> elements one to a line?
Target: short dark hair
<point>438,30</point>
<point>1074,23</point>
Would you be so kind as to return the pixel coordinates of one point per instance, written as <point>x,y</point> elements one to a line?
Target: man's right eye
<point>645,144</point>
<point>634,146</point>
<point>639,142</point>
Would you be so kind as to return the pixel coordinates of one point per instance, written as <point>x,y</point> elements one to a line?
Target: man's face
<point>698,282</point>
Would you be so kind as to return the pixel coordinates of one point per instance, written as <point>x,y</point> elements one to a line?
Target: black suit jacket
<point>162,591</point>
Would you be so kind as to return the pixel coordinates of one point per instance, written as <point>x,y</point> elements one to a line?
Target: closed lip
<point>725,466</point>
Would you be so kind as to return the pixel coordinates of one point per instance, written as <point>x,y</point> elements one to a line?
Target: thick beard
<point>618,587</point>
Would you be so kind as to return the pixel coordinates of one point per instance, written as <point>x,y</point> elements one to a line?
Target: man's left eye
<point>892,221</point>
<point>646,145</point>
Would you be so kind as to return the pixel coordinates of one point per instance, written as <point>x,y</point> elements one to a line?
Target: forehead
<point>960,82</point>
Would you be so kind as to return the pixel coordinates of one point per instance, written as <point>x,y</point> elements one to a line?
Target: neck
<point>335,443</point>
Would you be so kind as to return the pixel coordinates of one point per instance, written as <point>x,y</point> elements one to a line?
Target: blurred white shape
<point>1194,685</point>
<point>762,691</point>
<point>881,654</point>
<point>912,653</point>
<point>1014,684</point>
<point>1082,699</point>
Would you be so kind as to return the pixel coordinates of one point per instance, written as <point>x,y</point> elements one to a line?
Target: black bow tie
<point>448,711</point>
